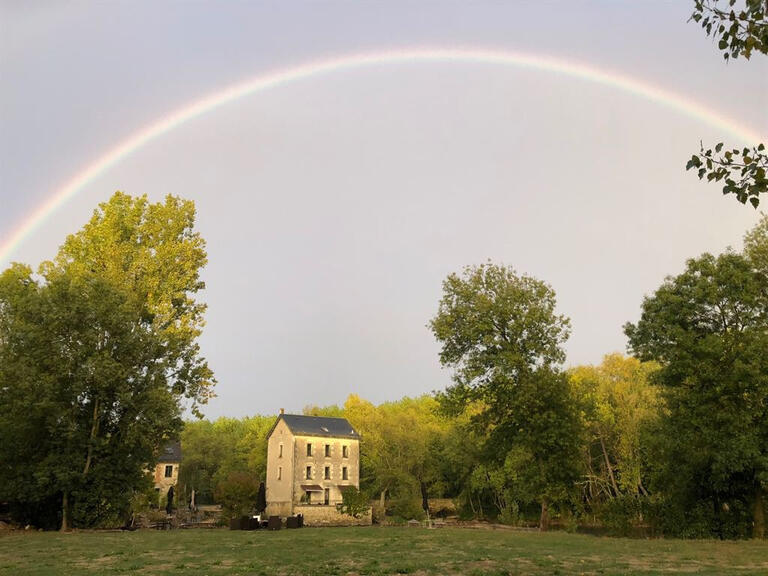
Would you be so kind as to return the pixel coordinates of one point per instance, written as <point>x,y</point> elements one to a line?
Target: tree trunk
<point>472,505</point>
<point>424,497</point>
<point>383,500</point>
<point>94,432</point>
<point>758,529</point>
<point>64,512</point>
<point>609,467</point>
<point>544,519</point>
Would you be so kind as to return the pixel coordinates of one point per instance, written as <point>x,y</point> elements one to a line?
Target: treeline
<point>673,440</point>
<point>99,359</point>
<point>412,450</point>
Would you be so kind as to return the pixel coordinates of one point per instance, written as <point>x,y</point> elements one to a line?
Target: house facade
<point>167,468</point>
<point>311,460</point>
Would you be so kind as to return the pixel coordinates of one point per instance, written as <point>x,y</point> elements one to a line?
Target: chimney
<point>282,410</point>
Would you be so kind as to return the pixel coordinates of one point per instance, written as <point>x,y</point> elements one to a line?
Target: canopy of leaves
<point>214,451</point>
<point>96,353</point>
<point>620,406</point>
<point>708,329</point>
<point>500,334</point>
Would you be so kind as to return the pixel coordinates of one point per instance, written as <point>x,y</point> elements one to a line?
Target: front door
<point>327,494</point>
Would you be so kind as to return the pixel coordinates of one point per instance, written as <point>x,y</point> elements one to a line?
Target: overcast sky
<point>333,207</point>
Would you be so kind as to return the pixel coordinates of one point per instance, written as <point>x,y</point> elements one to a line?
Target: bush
<point>237,494</point>
<point>621,515</point>
<point>407,509</point>
<point>701,519</point>
<point>354,503</point>
<point>510,515</point>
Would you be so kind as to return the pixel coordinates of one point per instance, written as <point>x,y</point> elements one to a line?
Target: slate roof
<point>171,452</point>
<point>317,426</point>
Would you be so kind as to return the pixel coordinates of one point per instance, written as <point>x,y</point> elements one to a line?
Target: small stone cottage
<point>311,460</point>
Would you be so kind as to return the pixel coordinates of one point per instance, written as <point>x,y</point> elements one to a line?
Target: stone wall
<point>335,462</point>
<point>281,456</point>
<point>161,482</point>
<point>329,516</point>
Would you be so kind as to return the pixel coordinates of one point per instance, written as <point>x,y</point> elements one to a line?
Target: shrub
<point>621,514</point>
<point>237,494</point>
<point>408,509</point>
<point>354,503</point>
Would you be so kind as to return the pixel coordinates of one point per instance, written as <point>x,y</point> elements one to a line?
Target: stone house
<point>311,460</point>
<point>167,468</point>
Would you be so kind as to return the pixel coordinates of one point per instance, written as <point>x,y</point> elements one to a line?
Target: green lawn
<point>373,550</point>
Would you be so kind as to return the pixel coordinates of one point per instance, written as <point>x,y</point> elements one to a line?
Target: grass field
<point>374,550</point>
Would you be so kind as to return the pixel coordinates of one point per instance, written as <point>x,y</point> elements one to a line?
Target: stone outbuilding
<point>311,460</point>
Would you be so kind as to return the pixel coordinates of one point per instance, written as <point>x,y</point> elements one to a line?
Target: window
<point>279,472</point>
<point>327,472</point>
<point>168,471</point>
<point>309,449</point>
<point>344,473</point>
<point>345,451</point>
<point>327,450</point>
<point>280,454</point>
<point>308,497</point>
<point>309,472</point>
<point>327,494</point>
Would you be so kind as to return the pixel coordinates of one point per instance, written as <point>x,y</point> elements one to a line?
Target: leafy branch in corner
<point>739,32</point>
<point>743,171</point>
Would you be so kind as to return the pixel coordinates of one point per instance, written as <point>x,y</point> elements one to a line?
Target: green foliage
<point>740,31</point>
<point>214,450</point>
<point>237,493</point>
<point>621,409</point>
<point>708,329</point>
<point>620,515</point>
<point>756,245</point>
<point>406,508</point>
<point>354,503</point>
<point>97,352</point>
<point>743,171</point>
<point>500,334</point>
<point>401,444</point>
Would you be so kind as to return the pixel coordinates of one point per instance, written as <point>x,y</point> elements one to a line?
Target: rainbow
<point>268,81</point>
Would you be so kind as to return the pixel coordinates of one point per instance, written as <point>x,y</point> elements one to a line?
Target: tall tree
<point>98,352</point>
<point>500,334</point>
<point>708,329</point>
<point>620,407</point>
